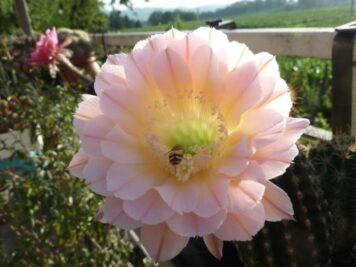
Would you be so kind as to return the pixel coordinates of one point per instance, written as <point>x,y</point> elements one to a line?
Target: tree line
<point>88,15</point>
<point>164,17</point>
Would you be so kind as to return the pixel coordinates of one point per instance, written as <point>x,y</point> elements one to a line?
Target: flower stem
<point>65,62</point>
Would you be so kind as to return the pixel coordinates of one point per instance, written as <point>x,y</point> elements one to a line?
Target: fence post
<point>344,80</point>
<point>23,17</point>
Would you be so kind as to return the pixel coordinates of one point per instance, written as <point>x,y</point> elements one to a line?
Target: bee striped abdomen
<point>175,159</point>
<point>176,155</point>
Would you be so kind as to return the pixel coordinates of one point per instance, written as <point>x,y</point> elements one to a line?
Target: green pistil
<point>192,134</point>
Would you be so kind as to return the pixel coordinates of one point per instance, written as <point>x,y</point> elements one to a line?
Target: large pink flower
<point>46,48</point>
<point>219,110</point>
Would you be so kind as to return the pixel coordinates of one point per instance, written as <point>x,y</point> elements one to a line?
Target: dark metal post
<point>23,17</point>
<point>344,80</point>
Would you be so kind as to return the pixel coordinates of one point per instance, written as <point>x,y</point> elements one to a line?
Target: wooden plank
<point>318,133</point>
<point>353,94</point>
<point>304,42</point>
<point>122,39</point>
<point>344,83</point>
<point>314,42</point>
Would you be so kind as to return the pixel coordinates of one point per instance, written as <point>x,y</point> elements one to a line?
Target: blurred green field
<point>316,17</point>
<point>321,17</point>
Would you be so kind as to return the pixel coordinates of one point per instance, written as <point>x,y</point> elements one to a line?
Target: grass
<point>316,17</point>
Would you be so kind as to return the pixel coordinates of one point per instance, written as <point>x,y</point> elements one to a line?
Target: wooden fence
<point>326,43</point>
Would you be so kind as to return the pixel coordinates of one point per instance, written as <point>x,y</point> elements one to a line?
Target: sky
<point>177,3</point>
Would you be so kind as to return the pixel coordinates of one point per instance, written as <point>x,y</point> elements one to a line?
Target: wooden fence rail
<point>304,42</point>
<point>311,42</point>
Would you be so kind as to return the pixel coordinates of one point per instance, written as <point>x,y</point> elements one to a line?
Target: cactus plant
<point>322,186</point>
<point>335,162</point>
<point>305,242</point>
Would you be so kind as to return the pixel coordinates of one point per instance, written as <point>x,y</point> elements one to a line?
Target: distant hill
<point>247,7</point>
<point>142,14</point>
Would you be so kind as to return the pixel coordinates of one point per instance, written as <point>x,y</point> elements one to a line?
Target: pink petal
<point>236,82</point>
<point>118,113</point>
<point>244,195</point>
<point>238,158</point>
<point>78,163</point>
<point>232,56</point>
<point>52,35</point>
<point>243,225</point>
<point>258,92</point>
<point>95,175</point>
<point>180,197</point>
<point>148,209</point>
<point>161,243</point>
<point>281,102</point>
<point>233,166</point>
<point>171,73</point>
<point>277,204</point>
<point>295,128</point>
<point>113,213</point>
<point>292,132</point>
<point>87,109</point>
<point>253,87</point>
<point>175,34</point>
<point>96,169</point>
<point>173,40</point>
<point>253,172</point>
<point>204,65</point>
<point>130,181</point>
<point>264,125</point>
<point>216,39</point>
<point>93,133</point>
<point>145,58</point>
<point>81,166</point>
<point>187,46</point>
<point>214,245</point>
<point>136,77</point>
<point>122,96</point>
<point>122,147</point>
<point>46,48</point>
<point>140,45</point>
<point>112,72</point>
<point>267,64</point>
<point>99,187</point>
<point>275,158</point>
<point>243,149</point>
<point>190,224</point>
<point>212,197</point>
<point>159,42</point>
<point>277,162</point>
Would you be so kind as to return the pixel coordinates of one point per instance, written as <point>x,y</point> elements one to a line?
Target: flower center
<point>186,140</point>
<point>190,134</point>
